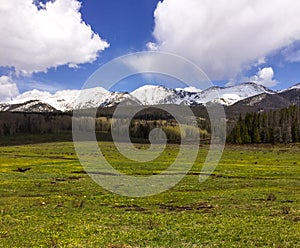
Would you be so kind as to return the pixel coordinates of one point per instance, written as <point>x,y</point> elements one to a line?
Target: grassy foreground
<point>252,200</point>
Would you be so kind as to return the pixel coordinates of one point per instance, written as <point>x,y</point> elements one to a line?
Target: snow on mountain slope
<point>230,95</point>
<point>155,95</point>
<point>189,89</point>
<point>31,95</point>
<point>68,100</point>
<point>117,97</point>
<point>4,107</point>
<point>27,106</point>
<point>96,97</point>
<point>295,87</point>
<point>32,106</point>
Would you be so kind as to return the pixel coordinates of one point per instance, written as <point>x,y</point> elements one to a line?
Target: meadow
<point>47,200</point>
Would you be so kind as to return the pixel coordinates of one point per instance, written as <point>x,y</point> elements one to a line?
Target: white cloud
<point>35,38</point>
<point>8,89</point>
<point>225,37</point>
<point>264,77</point>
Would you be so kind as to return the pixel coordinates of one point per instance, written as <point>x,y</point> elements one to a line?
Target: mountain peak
<point>68,100</point>
<point>191,89</point>
<point>150,87</point>
<point>155,95</point>
<point>296,86</point>
<point>259,86</point>
<point>31,95</point>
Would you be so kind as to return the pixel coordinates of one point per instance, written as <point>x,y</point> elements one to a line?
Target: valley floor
<point>251,200</point>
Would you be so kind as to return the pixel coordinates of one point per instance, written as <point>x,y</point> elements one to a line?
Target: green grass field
<point>251,200</point>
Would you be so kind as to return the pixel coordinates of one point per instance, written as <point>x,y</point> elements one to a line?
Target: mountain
<point>66,100</point>
<point>266,101</point>
<point>28,106</point>
<point>295,87</point>
<point>292,94</point>
<point>115,98</point>
<point>156,95</point>
<point>263,102</point>
<point>189,89</point>
<point>233,94</point>
<point>238,98</point>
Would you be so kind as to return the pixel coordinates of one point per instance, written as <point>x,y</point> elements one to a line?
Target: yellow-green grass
<point>251,200</point>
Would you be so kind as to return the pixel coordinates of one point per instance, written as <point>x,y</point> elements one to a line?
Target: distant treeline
<point>34,123</point>
<point>52,123</point>
<point>280,126</point>
<point>141,128</point>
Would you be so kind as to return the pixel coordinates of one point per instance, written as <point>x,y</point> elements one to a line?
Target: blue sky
<point>246,41</point>
<point>127,27</point>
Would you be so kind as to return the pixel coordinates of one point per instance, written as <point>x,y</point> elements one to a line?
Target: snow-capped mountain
<point>230,95</point>
<point>66,100</point>
<point>31,106</point>
<point>31,95</point>
<point>118,97</point>
<point>155,95</point>
<point>292,94</point>
<point>295,87</point>
<point>189,89</point>
<point>69,100</point>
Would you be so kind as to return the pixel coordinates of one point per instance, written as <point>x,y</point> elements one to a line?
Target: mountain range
<point>239,97</point>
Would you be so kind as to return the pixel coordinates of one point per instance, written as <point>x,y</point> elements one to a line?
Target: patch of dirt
<point>204,206</point>
<point>22,169</point>
<point>74,178</point>
<point>296,219</point>
<point>94,173</point>
<point>271,197</point>
<point>118,246</point>
<point>79,172</point>
<point>131,208</point>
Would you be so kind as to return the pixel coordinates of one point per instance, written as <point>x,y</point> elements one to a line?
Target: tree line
<point>34,123</point>
<point>139,128</point>
<point>278,126</point>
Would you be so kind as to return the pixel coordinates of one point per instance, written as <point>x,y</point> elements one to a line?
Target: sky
<point>58,44</point>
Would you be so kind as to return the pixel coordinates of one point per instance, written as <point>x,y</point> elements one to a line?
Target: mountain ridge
<point>246,94</point>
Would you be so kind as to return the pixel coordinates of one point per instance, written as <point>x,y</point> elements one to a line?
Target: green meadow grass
<point>251,200</point>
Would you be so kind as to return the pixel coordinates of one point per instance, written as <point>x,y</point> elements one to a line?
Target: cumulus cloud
<point>36,36</point>
<point>264,77</point>
<point>8,89</point>
<point>225,37</point>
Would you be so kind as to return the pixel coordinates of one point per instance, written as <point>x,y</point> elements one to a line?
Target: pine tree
<point>295,132</point>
